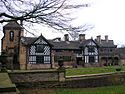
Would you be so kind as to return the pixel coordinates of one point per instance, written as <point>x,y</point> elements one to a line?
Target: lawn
<point>92,70</point>
<point>119,89</point>
<point>98,90</point>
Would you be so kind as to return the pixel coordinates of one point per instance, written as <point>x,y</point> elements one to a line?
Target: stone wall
<point>56,78</point>
<point>96,80</point>
<point>122,62</point>
<point>35,78</point>
<point>6,42</point>
<point>22,57</point>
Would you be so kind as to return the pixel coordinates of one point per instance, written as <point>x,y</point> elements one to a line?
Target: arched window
<point>11,35</point>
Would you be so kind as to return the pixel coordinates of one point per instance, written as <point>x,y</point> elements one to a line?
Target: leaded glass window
<point>40,48</point>
<point>39,59</point>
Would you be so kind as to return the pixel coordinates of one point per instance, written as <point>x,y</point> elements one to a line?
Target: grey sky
<point>107,16</point>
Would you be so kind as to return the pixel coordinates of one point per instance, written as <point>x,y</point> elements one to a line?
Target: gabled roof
<point>103,43</point>
<point>85,43</point>
<point>12,24</point>
<point>65,44</point>
<point>31,40</point>
<point>71,44</point>
<point>28,40</point>
<point>41,36</point>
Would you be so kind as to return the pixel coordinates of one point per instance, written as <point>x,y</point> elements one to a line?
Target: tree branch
<point>47,12</point>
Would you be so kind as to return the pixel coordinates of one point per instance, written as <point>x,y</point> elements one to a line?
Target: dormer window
<point>11,35</point>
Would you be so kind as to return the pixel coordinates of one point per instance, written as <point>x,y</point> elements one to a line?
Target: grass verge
<point>92,70</point>
<point>119,89</point>
<point>98,90</point>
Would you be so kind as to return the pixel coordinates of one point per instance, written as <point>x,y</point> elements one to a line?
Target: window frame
<point>40,48</point>
<point>91,49</point>
<point>91,59</point>
<point>39,59</point>
<point>11,35</point>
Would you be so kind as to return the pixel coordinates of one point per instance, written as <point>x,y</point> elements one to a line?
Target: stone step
<point>11,88</point>
<point>6,84</point>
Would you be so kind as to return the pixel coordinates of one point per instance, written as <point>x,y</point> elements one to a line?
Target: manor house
<point>41,53</point>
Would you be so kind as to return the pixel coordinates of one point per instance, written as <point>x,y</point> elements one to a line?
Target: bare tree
<point>75,31</point>
<point>48,12</point>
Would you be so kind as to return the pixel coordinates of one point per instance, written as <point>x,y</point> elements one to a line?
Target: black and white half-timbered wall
<point>39,54</point>
<point>91,54</point>
<point>83,53</point>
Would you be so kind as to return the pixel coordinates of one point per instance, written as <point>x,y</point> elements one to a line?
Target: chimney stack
<point>106,38</point>
<point>99,39</point>
<point>66,37</point>
<point>81,37</point>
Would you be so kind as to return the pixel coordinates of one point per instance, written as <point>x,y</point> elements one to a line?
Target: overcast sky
<point>107,16</point>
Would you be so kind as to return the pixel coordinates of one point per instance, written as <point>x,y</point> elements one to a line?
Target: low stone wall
<point>98,80</point>
<point>56,78</point>
<point>37,78</point>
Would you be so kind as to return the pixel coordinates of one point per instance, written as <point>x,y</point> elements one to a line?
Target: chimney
<point>59,39</point>
<point>106,38</point>
<point>81,37</point>
<point>99,39</point>
<point>66,37</point>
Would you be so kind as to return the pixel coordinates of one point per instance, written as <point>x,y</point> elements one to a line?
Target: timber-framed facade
<point>40,53</point>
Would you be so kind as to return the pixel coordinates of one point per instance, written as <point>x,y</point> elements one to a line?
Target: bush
<point>118,69</point>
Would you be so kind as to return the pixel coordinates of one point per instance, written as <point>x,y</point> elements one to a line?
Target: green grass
<point>37,91</point>
<point>119,89</point>
<point>92,70</point>
<point>98,90</point>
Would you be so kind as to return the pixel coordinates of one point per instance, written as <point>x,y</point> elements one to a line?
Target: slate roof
<point>31,40</point>
<point>12,25</point>
<point>65,44</point>
<point>28,40</point>
<point>71,44</point>
<point>84,43</point>
<point>103,43</point>
<point>68,44</point>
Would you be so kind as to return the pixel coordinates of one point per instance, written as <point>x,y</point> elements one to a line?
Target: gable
<point>40,41</point>
<point>91,48</point>
<point>91,43</point>
<point>39,51</point>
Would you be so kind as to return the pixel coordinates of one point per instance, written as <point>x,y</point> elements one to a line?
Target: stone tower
<point>11,41</point>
